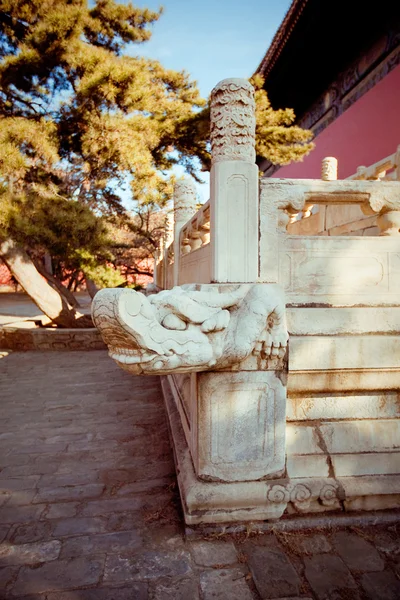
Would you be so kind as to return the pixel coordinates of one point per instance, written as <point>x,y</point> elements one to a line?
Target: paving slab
<point>381,586</point>
<point>272,572</point>
<point>329,578</point>
<point>357,553</point>
<point>92,512</point>
<point>209,554</point>
<point>224,584</point>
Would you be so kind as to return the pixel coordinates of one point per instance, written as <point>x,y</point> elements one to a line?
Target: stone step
<point>324,407</point>
<point>343,320</point>
<point>343,448</point>
<point>343,437</point>
<point>332,353</point>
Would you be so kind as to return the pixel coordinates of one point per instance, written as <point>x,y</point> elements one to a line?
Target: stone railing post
<point>234,183</point>
<point>184,208</point>
<point>167,240</point>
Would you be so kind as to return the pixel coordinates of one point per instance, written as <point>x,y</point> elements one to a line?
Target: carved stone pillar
<point>185,199</point>
<point>329,168</point>
<point>234,183</point>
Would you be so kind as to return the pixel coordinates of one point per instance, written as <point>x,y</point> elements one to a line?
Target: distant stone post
<point>329,168</point>
<point>234,183</point>
<point>168,239</point>
<point>184,208</point>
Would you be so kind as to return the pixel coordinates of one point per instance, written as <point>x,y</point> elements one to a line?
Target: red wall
<point>364,134</point>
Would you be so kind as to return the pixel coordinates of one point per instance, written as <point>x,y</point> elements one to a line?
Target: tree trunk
<point>55,283</point>
<point>91,287</point>
<point>43,295</point>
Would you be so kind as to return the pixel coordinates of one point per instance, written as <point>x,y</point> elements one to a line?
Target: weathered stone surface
<point>4,529</point>
<point>61,511</point>
<point>380,463</point>
<point>4,498</point>
<point>184,589</point>
<point>368,503</point>
<point>272,572</point>
<point>21,498</point>
<point>381,586</point>
<point>307,466</point>
<point>16,338</point>
<point>59,575</point>
<point>80,526</point>
<point>343,320</point>
<point>343,352</point>
<point>329,578</point>
<point>143,333</point>
<point>113,505</point>
<point>76,492</point>
<point>132,470</point>
<point>378,435</point>
<point>135,591</point>
<point>7,576</point>
<point>109,543</point>
<point>343,406</point>
<point>18,514</point>
<point>310,544</point>
<point>147,566</point>
<point>209,554</point>
<point>30,532</point>
<point>302,439</point>
<point>29,554</point>
<point>221,584</point>
<point>388,543</point>
<point>24,483</point>
<point>356,552</point>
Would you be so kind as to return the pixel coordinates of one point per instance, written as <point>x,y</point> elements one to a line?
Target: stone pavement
<point>89,508</point>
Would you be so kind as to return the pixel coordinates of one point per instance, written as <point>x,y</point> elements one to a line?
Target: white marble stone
<point>346,380</point>
<point>302,439</point>
<point>372,503</point>
<point>307,466</point>
<point>343,406</point>
<point>223,344</point>
<point>329,353</point>
<point>374,463</point>
<point>240,425</point>
<point>186,330</point>
<point>233,183</point>
<point>343,320</point>
<point>370,485</point>
<point>234,214</point>
<point>361,436</point>
<point>332,270</point>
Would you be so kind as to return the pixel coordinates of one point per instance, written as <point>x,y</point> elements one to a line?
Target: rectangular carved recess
<point>340,270</point>
<point>241,425</point>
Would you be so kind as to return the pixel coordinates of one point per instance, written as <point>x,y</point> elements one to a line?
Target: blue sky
<point>212,39</point>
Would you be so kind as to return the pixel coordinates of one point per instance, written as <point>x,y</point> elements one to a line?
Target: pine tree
<point>79,118</point>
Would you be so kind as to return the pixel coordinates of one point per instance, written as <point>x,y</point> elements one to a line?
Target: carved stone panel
<point>241,417</point>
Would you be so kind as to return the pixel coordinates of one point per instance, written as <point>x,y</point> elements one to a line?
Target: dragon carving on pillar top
<point>185,330</point>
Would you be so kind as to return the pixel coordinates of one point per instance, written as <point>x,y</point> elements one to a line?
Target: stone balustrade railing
<point>196,233</point>
<point>238,285</point>
<point>387,169</point>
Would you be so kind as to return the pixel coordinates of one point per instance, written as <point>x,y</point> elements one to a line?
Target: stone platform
<point>89,507</point>
<point>19,331</point>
